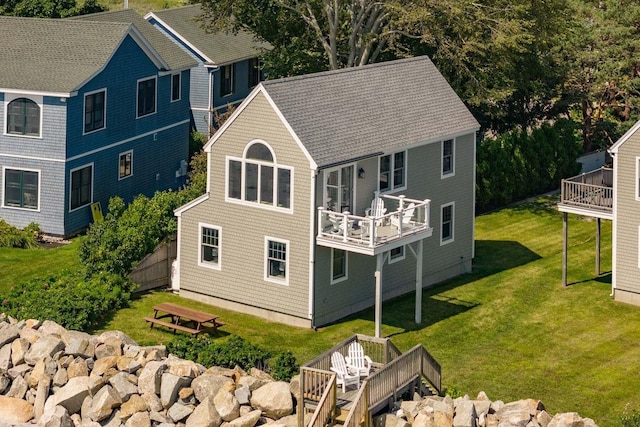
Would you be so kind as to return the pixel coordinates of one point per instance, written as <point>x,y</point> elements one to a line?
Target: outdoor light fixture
<point>361,173</point>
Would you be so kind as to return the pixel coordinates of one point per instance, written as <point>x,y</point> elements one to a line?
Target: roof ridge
<point>361,68</point>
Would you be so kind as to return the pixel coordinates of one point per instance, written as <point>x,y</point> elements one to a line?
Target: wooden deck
<point>589,194</point>
<point>394,373</point>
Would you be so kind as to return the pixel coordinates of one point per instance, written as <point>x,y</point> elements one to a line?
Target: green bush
<point>68,298</point>
<point>12,237</point>
<point>630,418</point>
<point>521,164</point>
<point>284,366</point>
<point>229,353</point>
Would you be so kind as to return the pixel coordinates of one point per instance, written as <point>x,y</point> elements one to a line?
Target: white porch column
<point>419,283</point>
<point>378,309</point>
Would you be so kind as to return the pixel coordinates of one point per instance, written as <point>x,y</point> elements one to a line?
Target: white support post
<point>419,283</point>
<point>378,308</point>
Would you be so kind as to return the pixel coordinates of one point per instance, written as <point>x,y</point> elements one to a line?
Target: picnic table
<point>183,319</point>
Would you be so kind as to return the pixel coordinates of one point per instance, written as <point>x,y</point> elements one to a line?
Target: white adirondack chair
<point>344,377</point>
<point>407,214</point>
<point>357,361</point>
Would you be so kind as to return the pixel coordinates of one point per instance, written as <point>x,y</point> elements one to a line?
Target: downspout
<point>312,246</point>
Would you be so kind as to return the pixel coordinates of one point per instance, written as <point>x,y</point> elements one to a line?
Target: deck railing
<point>359,415</point>
<point>325,411</point>
<point>375,230</point>
<point>592,190</point>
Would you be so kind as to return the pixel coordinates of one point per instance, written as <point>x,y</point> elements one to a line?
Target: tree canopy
<point>48,8</point>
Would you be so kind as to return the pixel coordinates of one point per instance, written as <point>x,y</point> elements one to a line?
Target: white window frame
<point>276,166</point>
<point>155,96</point>
<point>393,188</point>
<point>208,264</point>
<point>287,261</point>
<point>397,258</point>
<point>124,153</point>
<point>452,172</point>
<point>4,182</point>
<point>8,97</point>
<point>93,171</point>
<point>637,179</point>
<point>104,111</point>
<point>453,222</point>
<point>335,280</point>
<point>179,87</point>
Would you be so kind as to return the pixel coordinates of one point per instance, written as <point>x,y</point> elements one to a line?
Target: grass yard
<point>508,328</point>
<point>144,6</point>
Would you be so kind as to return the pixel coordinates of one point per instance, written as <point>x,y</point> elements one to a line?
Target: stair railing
<point>325,411</point>
<point>359,415</point>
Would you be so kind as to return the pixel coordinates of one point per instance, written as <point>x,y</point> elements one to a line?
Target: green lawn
<point>144,6</point>
<point>508,328</point>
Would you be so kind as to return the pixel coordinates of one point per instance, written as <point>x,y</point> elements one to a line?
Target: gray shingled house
<point>228,63</point>
<point>331,192</point>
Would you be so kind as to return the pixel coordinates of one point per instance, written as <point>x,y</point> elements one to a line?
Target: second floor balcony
<point>589,194</point>
<point>391,222</point>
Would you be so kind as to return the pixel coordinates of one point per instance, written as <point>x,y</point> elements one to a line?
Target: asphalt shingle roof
<point>172,54</point>
<point>358,112</point>
<point>54,55</point>
<point>222,48</point>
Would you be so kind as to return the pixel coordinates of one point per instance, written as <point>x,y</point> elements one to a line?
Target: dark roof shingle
<point>357,112</point>
<point>221,48</point>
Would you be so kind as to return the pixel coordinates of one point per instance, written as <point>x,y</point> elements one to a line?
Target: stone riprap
<point>53,377</point>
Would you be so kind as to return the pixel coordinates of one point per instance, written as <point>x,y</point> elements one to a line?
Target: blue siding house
<point>228,64</point>
<point>89,108</point>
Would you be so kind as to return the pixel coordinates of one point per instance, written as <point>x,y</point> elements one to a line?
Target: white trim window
<point>209,253</point>
<point>146,97</point>
<point>448,158</point>
<point>125,165</point>
<point>227,79</point>
<point>339,265</point>
<point>176,87</point>
<point>638,178</point>
<point>392,171</point>
<point>447,216</point>
<point>81,187</point>
<point>95,104</point>
<point>396,254</point>
<point>255,72</point>
<point>21,188</point>
<point>23,116</point>
<point>258,179</point>
<point>276,260</point>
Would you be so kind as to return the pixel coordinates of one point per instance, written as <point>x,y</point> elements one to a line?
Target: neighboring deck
<point>589,194</point>
<point>371,235</point>
<point>394,373</point>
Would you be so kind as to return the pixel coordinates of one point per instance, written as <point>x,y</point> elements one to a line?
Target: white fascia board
<point>614,148</point>
<point>178,212</point>
<point>39,92</point>
<point>177,35</point>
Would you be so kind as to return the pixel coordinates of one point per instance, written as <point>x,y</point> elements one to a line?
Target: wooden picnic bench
<point>183,319</point>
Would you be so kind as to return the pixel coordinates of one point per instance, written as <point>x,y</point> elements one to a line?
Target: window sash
<point>277,260</point>
<point>227,81</point>
<point>254,72</point>
<point>392,171</point>
<point>447,222</point>
<point>81,187</point>
<point>125,168</point>
<point>146,97</point>
<point>23,117</point>
<point>94,112</point>
<point>447,156</point>
<point>21,189</point>
<point>210,246</point>
<point>175,87</point>
<point>339,264</point>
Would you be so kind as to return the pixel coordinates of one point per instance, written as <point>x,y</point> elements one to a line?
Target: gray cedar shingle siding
<point>53,55</point>
<point>221,48</point>
<point>350,113</point>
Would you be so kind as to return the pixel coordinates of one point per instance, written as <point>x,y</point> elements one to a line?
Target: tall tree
<point>48,8</point>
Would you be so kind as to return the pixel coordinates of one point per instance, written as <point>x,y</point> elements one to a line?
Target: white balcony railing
<point>372,231</point>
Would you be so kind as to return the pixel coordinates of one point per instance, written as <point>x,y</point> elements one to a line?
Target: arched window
<point>258,178</point>
<point>23,117</point>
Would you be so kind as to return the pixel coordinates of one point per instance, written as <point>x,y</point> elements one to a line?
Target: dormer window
<point>257,178</point>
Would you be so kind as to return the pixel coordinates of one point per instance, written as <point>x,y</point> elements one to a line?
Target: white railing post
<point>345,223</point>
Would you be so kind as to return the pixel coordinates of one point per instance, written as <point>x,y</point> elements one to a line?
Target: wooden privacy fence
<point>154,271</point>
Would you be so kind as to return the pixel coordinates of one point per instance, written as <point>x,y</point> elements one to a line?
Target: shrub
<point>229,353</point>
<point>284,366</point>
<point>68,298</point>
<point>630,418</point>
<point>521,164</point>
<point>12,237</point>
